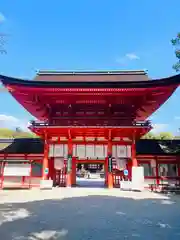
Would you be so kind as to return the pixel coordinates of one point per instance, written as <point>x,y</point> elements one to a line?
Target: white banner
<point>19,170</point>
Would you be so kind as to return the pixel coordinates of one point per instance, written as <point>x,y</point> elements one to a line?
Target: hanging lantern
<point>58,163</point>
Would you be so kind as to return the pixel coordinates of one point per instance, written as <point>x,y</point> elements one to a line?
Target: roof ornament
<point>10,89</point>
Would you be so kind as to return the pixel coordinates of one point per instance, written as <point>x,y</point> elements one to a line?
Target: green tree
<point>176,44</point>
<point>18,133</point>
<point>177,137</point>
<point>149,135</point>
<point>165,136</point>
<point>161,136</point>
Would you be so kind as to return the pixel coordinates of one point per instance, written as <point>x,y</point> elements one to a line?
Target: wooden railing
<point>133,124</point>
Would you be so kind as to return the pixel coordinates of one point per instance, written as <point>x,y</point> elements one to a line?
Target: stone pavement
<point>88,213</point>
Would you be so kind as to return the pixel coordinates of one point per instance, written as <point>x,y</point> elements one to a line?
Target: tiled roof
<point>92,76</point>
<point>158,147</point>
<point>143,147</point>
<point>21,145</point>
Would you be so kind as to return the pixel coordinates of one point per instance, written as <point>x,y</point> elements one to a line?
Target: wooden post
<point>106,171</point>
<point>110,173</point>
<point>73,171</point>
<point>157,172</point>
<point>45,167</point>
<point>69,164</point>
<point>133,153</point>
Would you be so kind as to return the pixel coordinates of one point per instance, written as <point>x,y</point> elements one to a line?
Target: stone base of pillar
<point>110,180</point>
<point>46,184</point>
<point>69,180</point>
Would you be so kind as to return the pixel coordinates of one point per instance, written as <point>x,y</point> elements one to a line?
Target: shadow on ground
<point>91,217</point>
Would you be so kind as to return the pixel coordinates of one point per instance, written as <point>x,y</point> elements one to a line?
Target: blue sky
<point>66,35</point>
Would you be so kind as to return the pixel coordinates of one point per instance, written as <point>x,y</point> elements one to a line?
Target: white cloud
<point>2,18</point>
<point>159,127</point>
<point>5,118</point>
<point>8,121</point>
<point>177,118</point>
<point>132,56</point>
<point>127,57</point>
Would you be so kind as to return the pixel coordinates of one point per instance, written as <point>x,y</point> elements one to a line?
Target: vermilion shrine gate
<point>90,117</point>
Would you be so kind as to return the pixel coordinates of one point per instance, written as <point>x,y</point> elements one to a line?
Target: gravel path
<point>84,214</point>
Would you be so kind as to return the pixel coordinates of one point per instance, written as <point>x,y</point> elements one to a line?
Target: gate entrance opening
<point>91,173</point>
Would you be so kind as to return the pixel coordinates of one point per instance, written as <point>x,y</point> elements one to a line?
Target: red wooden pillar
<point>2,171</point>
<point>157,172</point>
<point>45,166</point>
<point>110,173</point>
<point>133,153</point>
<point>73,171</point>
<point>106,171</point>
<point>178,165</point>
<point>69,163</point>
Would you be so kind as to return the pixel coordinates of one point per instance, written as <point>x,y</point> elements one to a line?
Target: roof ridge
<point>90,72</point>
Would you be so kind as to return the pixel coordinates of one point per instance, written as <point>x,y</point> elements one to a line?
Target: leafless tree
<point>2,43</point>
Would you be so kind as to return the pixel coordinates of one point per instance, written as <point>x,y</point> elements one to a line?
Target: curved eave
<point>173,80</point>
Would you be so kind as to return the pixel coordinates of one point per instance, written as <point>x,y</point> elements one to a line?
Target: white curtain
<point>114,151</point>
<point>81,151</point>
<point>74,150</point>
<point>121,151</point>
<point>90,151</point>
<point>51,150</point>
<point>128,151</point>
<point>99,151</point>
<point>121,163</point>
<point>58,150</point>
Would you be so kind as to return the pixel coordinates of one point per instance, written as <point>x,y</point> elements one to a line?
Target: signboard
<point>46,170</point>
<point>126,172</point>
<point>126,185</point>
<point>138,178</point>
<point>19,170</point>
<point>46,184</point>
<point>110,164</point>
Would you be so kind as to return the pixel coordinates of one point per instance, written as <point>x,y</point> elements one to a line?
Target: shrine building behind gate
<point>90,117</point>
